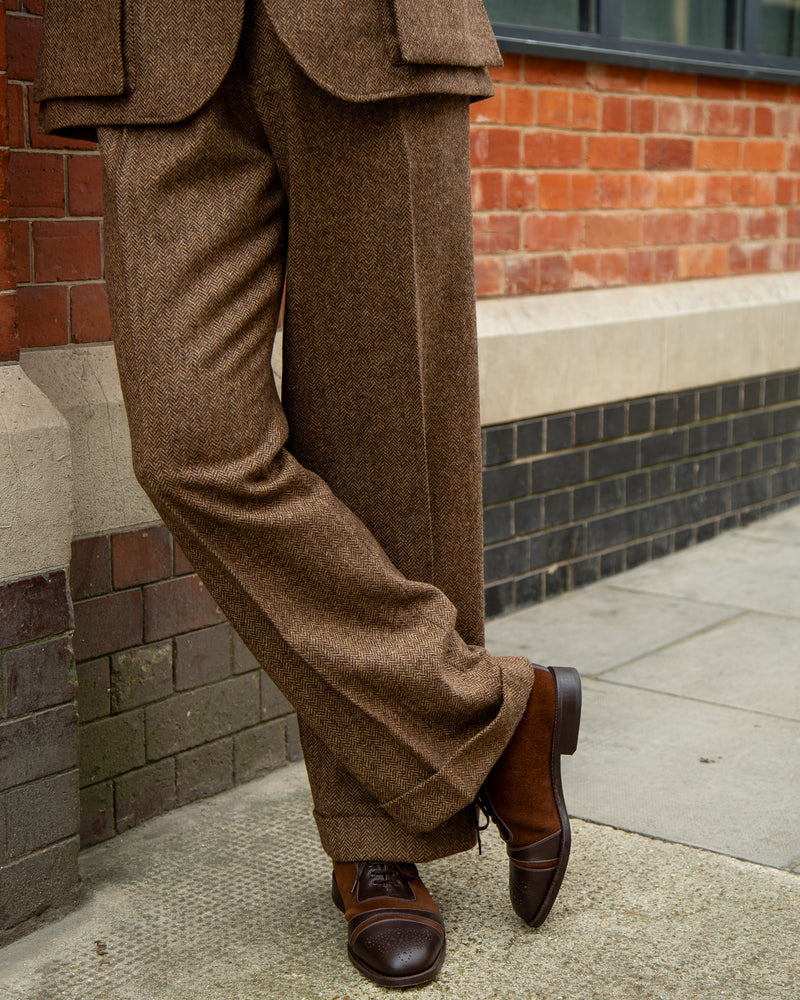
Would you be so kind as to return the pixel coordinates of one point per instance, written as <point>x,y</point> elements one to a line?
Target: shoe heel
<point>568,710</point>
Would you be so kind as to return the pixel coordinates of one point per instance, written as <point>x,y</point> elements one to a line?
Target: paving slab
<point>228,900</point>
<point>600,627</point>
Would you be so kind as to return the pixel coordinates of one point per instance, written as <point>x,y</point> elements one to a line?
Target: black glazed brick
<point>751,459</point>
<point>499,599</point>
<point>611,459</point>
<point>610,495</point>
<point>773,390</point>
<point>529,590</point>
<point>753,427</point>
<point>613,421</point>
<point>556,546</point>
<point>607,532</point>
<point>750,491</point>
<point>709,503</point>
<point>666,410</point>
<point>751,395</point>
<point>790,450</point>
<point>612,563</point>
<point>497,523</point>
<point>38,676</point>
<point>786,419</point>
<point>560,432</point>
<point>584,501</point>
<point>661,482</point>
<point>556,581</point>
<point>587,426</point>
<point>640,417</point>
<point>708,404</point>
<point>661,546</point>
<point>528,516</point>
<point>530,438</point>
<point>585,571</point>
<point>683,538</point>
<point>33,609</point>
<point>556,509</point>
<point>664,448</point>
<point>791,385</point>
<point>505,483</point>
<point>557,472</point>
<point>499,445</point>
<point>502,561</point>
<point>731,398</point>
<point>709,437</point>
<point>636,488</point>
<point>707,531</point>
<point>637,554</point>
<point>770,451</point>
<point>684,477</point>
<point>729,466</point>
<point>687,407</point>
<point>786,481</point>
<point>660,517</point>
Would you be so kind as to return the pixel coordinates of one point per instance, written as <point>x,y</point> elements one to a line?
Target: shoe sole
<point>565,742</point>
<point>393,982</point>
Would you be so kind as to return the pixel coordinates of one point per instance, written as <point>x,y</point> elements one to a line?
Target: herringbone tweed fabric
<point>134,61</point>
<point>341,531</point>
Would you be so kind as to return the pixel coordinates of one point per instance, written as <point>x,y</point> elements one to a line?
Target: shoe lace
<point>483,806</point>
<point>386,874</point>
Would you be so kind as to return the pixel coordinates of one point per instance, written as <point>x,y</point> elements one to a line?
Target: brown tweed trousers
<point>339,528</point>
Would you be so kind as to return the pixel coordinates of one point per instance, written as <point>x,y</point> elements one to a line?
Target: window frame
<point>607,46</point>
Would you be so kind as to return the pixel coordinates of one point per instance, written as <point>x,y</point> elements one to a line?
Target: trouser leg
<point>197,217</point>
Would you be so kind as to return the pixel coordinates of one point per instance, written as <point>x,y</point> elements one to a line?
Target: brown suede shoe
<point>523,792</point>
<point>396,933</point>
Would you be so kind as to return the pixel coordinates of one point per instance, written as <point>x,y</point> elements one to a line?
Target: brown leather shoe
<point>396,933</point>
<point>523,792</point>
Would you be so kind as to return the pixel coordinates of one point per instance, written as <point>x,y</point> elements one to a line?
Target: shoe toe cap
<point>398,948</point>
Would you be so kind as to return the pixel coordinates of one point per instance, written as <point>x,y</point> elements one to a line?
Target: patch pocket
<point>81,53</point>
<point>445,33</point>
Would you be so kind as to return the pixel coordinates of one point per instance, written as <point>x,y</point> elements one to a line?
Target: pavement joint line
<point>685,697</point>
<point>693,600</point>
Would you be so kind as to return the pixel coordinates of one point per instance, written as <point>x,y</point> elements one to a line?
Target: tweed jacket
<point>158,61</point>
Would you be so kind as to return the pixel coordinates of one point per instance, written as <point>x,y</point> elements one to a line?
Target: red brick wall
<point>587,175</point>
<point>9,346</point>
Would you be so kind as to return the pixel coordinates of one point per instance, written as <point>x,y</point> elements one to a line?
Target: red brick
<point>679,84</point>
<point>107,624</point>
<point>614,152</point>
<point>36,185</point>
<point>34,608</point>
<point>558,72</point>
<point>718,154</point>
<point>584,188</point>
<point>522,275</point>
<point>89,315</point>
<point>665,264</point>
<point>702,261</point>
<point>488,276</point>
<point>711,227</point>
<point>89,567</point>
<point>585,270</point>
<point>614,190</point>
<point>180,564</point>
<point>554,273</point>
<point>793,222</point>
<point>761,90</point>
<point>488,110</point>
<point>511,68</point>
<point>20,242</point>
<point>495,233</point>
<point>718,87</point>
<point>623,78</point>
<point>667,154</point>
<point>66,251</point>
<point>764,193</point>
<point>643,114</point>
<point>42,315</point>
<point>779,255</point>
<point>24,34</point>
<point>519,106</point>
<point>495,147</point>
<point>641,267</point>
<point>553,108</point>
<point>553,149</point>
<point>764,120</point>
<point>727,118</point>
<point>751,259</point>
<point>177,606</point>
<point>669,190</point>
<point>4,127</point>
<point>487,190</point>
<point>764,155</point>
<point>613,267</point>
<point>668,227</point>
<point>34,6</point>
<point>140,557</point>
<point>762,225</point>
<point>786,121</point>
<point>784,190</point>
<point>585,111</point>
<point>552,232</point>
<point>9,339</point>
<point>794,156</point>
<point>613,229</point>
<point>16,116</point>
<point>743,189</point>
<point>554,191</point>
<point>615,114</point>
<point>7,273</point>
<point>522,189</point>
<point>718,189</point>
<point>644,191</point>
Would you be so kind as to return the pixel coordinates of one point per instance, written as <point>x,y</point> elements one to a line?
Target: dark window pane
<point>711,23</point>
<point>566,15</point>
<point>780,27</point>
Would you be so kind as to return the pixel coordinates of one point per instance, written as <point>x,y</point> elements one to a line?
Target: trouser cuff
<point>366,838</point>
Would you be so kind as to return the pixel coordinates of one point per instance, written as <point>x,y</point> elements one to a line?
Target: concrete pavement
<point>684,874</point>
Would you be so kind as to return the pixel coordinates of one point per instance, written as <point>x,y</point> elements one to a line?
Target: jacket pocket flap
<point>81,52</point>
<point>445,33</point>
